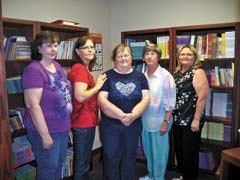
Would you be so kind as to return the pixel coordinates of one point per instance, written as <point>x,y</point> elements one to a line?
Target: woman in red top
<point>85,109</point>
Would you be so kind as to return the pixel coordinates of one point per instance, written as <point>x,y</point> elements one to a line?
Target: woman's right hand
<point>47,141</point>
<point>100,80</point>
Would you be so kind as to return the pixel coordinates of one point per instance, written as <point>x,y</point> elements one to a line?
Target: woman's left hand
<point>195,125</point>
<point>164,128</point>
<point>128,119</point>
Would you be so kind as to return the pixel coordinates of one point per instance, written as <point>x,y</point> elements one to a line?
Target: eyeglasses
<point>186,54</point>
<point>122,56</point>
<point>87,47</point>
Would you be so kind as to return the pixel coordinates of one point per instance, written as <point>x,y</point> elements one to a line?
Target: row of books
<point>211,45</point>
<point>21,151</point>
<point>216,131</point>
<point>68,165</point>
<point>66,48</point>
<point>219,104</point>
<point>163,44</point>
<point>16,47</point>
<point>14,85</point>
<point>137,47</point>
<point>15,123</point>
<point>16,118</point>
<point>221,76</point>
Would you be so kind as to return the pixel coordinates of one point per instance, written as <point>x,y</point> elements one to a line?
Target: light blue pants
<point>156,150</point>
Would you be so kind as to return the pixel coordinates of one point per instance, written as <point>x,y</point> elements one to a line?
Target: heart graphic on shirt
<point>125,89</point>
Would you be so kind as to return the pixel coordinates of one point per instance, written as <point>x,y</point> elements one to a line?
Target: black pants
<point>187,146</point>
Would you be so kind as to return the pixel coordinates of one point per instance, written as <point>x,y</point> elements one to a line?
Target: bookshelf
<point>154,36</point>
<point>13,68</point>
<point>6,169</point>
<point>222,109</point>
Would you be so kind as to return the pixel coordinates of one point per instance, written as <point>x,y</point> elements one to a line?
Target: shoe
<point>145,178</point>
<point>178,178</point>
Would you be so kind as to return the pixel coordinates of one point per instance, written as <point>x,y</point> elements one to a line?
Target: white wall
<point>147,14</point>
<point>110,17</point>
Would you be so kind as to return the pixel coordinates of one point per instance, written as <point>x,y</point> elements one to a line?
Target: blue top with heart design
<point>124,90</point>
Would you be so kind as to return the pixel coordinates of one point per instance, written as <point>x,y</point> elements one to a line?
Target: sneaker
<point>145,178</point>
<point>178,178</point>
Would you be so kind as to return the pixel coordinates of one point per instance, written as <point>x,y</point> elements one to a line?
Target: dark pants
<point>187,146</point>
<point>83,141</point>
<point>119,149</point>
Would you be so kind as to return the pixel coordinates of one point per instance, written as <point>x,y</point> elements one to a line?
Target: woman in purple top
<point>47,96</point>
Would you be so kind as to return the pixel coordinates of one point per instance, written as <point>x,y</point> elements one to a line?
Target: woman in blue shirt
<point>122,99</point>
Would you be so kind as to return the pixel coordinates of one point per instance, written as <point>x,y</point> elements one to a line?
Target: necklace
<point>123,72</point>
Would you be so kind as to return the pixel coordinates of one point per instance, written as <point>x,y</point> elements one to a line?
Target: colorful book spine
<point>26,172</point>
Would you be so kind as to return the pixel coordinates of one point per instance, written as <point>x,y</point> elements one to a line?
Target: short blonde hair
<point>121,48</point>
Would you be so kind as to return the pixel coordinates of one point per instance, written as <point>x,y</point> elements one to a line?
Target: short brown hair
<point>40,39</point>
<point>154,48</point>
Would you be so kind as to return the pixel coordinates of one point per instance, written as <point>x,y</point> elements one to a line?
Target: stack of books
<point>21,151</point>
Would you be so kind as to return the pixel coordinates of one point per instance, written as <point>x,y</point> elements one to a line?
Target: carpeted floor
<point>97,174</point>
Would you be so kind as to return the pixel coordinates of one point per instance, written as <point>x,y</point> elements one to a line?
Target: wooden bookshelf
<point>152,35</point>
<point>6,168</point>
<point>229,60</point>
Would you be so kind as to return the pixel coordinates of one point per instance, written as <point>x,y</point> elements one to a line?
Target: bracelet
<point>166,121</point>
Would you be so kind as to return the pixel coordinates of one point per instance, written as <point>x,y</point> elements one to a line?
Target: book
<point>97,39</point>
<point>206,159</point>
<point>137,49</point>
<point>163,43</point>
<point>20,112</point>
<point>66,22</point>
<point>26,172</point>
<point>11,44</point>
<point>219,105</point>
<point>227,133</point>
<point>21,151</point>
<point>14,85</point>
<point>182,40</point>
<point>67,169</point>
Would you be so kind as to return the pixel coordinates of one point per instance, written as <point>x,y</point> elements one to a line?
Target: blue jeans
<point>49,161</point>
<point>82,145</point>
<point>119,149</point>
